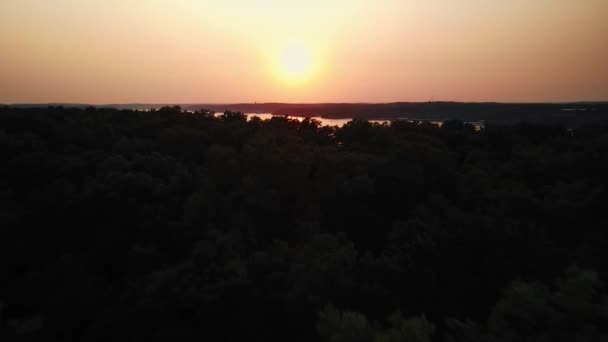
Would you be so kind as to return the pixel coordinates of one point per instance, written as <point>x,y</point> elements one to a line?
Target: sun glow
<point>295,63</point>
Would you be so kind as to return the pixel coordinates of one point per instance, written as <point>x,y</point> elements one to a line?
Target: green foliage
<point>337,326</point>
<point>574,309</point>
<point>131,225</point>
<point>345,326</point>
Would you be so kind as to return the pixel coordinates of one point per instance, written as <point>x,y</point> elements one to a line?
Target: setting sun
<point>296,60</point>
<point>295,63</point>
<point>304,170</point>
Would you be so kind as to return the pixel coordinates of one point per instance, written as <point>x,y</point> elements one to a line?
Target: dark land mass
<point>567,113</point>
<point>571,114</point>
<point>122,225</point>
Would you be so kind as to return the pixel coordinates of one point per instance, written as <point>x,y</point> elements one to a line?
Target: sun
<point>296,60</point>
<point>296,63</point>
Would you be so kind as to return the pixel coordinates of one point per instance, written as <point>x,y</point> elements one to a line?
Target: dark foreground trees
<point>165,225</point>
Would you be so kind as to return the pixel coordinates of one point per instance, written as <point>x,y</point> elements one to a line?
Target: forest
<point>123,225</point>
<point>569,114</point>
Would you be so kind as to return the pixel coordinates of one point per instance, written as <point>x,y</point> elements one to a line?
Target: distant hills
<point>573,113</point>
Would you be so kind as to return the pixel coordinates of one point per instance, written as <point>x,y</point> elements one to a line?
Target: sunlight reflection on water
<point>324,121</point>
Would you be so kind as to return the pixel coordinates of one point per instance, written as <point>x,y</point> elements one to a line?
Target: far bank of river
<point>324,121</point>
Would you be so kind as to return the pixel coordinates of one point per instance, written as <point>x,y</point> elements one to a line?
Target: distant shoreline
<point>567,113</point>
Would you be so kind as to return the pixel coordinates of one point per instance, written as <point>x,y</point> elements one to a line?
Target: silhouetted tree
<point>170,224</point>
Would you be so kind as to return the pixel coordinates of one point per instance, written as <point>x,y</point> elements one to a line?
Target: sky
<point>227,51</point>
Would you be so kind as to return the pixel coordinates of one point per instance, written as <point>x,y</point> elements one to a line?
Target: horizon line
<point>55,103</point>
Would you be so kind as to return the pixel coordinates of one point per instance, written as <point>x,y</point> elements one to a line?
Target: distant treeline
<point>570,114</point>
<point>575,114</point>
<point>120,225</point>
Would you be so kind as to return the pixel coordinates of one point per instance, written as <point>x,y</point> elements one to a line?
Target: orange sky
<point>185,51</point>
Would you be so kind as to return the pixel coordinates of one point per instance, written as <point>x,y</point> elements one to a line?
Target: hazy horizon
<point>286,103</point>
<point>265,51</point>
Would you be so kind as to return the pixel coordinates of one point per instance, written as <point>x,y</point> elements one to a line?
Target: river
<point>324,121</point>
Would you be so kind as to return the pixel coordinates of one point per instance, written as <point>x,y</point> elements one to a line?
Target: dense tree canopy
<point>169,225</point>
